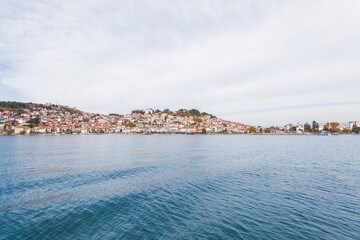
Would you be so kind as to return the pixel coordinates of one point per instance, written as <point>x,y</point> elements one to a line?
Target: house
<point>22,129</point>
<point>42,129</point>
<point>84,131</point>
<point>149,111</point>
<point>288,127</point>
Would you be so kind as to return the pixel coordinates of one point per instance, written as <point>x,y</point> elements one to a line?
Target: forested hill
<point>18,106</point>
<point>10,105</point>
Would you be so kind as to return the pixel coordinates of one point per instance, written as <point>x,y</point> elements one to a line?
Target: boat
<point>323,134</point>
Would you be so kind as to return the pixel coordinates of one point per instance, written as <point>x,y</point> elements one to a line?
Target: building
<point>22,129</point>
<point>149,111</point>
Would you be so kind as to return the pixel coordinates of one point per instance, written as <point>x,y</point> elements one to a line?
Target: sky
<point>256,62</point>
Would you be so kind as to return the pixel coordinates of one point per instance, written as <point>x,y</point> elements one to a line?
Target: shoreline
<point>182,134</point>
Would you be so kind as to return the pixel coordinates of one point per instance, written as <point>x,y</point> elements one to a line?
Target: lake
<point>179,187</point>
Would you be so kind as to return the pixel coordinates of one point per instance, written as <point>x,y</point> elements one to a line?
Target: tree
<point>33,122</point>
<point>166,110</point>
<point>199,120</point>
<point>20,111</point>
<point>138,111</point>
<point>203,131</point>
<point>355,129</point>
<point>182,114</point>
<point>293,129</point>
<point>307,127</point>
<point>332,127</point>
<point>130,124</point>
<point>252,129</point>
<point>315,126</point>
<point>194,112</point>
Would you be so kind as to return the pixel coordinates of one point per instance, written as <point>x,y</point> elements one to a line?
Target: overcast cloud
<point>257,62</point>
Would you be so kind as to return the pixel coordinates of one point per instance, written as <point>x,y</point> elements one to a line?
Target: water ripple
<point>181,187</point>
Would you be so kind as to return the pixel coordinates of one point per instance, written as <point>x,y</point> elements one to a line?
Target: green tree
<point>138,111</point>
<point>34,122</point>
<point>199,120</point>
<point>130,124</point>
<point>315,126</point>
<point>307,127</point>
<point>355,129</point>
<point>203,131</point>
<point>194,112</point>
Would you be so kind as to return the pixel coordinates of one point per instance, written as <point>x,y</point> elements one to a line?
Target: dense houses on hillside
<point>28,118</point>
<point>57,119</point>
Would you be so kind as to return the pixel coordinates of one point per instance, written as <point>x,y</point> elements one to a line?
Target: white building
<point>20,129</point>
<point>149,111</point>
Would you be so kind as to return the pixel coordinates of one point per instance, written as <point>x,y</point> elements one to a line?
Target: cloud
<point>240,60</point>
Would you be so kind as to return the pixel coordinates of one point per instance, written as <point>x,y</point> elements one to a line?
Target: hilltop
<point>20,106</point>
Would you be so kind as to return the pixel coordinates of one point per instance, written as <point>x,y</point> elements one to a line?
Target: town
<point>30,118</point>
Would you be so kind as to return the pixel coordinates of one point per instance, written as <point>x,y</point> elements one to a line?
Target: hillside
<point>26,118</point>
<point>20,106</point>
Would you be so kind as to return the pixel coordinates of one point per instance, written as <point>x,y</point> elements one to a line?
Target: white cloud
<point>263,62</point>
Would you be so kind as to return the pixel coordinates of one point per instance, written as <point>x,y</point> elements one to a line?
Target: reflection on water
<point>187,187</point>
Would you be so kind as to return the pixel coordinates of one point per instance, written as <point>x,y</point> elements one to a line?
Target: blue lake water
<point>179,187</point>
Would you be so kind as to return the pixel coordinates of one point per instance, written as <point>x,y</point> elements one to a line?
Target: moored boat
<point>324,134</point>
